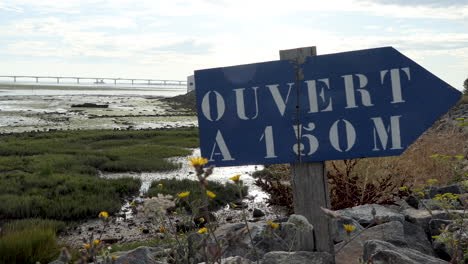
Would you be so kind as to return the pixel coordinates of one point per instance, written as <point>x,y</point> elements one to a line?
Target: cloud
<point>430,3</point>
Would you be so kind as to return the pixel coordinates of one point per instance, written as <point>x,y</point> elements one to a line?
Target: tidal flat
<point>24,109</point>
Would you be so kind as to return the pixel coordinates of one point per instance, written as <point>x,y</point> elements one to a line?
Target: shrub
<point>29,241</point>
<point>225,193</point>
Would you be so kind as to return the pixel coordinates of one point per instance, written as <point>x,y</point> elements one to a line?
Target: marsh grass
<point>54,175</point>
<point>225,193</point>
<point>29,240</point>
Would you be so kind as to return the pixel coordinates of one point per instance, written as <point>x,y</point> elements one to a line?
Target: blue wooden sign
<point>366,103</point>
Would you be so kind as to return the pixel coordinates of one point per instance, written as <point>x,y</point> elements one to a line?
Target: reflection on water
<point>221,174</point>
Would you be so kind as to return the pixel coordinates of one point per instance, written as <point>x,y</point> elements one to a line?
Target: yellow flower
<point>183,194</point>
<point>235,178</point>
<point>233,205</point>
<point>349,228</point>
<point>197,161</point>
<point>160,185</point>
<point>431,181</point>
<point>202,230</point>
<point>459,157</point>
<point>87,245</point>
<point>273,224</point>
<point>403,188</point>
<point>103,214</point>
<point>132,203</point>
<point>96,242</point>
<point>140,228</point>
<point>210,194</point>
<point>114,257</point>
<point>161,229</point>
<point>174,213</point>
<point>202,220</point>
<point>434,156</point>
<point>421,193</point>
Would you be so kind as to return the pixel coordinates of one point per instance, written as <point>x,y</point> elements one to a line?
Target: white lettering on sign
<point>269,142</point>
<point>396,82</point>
<point>313,99</point>
<point>220,106</point>
<point>313,141</point>
<point>241,105</point>
<point>351,92</point>
<point>221,145</point>
<point>322,97</point>
<point>350,135</point>
<point>280,102</point>
<point>382,133</point>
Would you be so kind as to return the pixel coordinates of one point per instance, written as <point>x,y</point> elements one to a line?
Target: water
<point>44,89</point>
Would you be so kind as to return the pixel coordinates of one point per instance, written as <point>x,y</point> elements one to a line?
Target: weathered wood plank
<point>309,183</point>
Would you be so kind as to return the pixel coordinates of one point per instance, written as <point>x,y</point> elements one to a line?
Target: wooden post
<point>309,183</point>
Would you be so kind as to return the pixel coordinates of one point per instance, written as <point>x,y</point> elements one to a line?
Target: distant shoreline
<point>78,87</point>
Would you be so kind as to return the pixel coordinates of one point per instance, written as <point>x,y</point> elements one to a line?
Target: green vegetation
<point>30,240</point>
<point>225,193</point>
<point>54,175</point>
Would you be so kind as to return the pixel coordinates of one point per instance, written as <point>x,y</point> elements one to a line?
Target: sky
<point>169,39</point>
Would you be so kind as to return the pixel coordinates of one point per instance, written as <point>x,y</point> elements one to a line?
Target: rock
<point>443,244</point>
<point>297,257</point>
<point>140,255</point>
<point>381,252</point>
<point>90,105</point>
<point>258,213</point>
<point>435,225</point>
<point>350,253</point>
<point>265,238</point>
<point>454,188</point>
<point>428,204</point>
<point>340,233</point>
<point>417,239</point>
<point>111,240</point>
<point>363,214</point>
<point>412,201</point>
<point>423,217</point>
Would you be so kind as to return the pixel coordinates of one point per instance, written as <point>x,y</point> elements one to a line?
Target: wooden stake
<point>309,184</point>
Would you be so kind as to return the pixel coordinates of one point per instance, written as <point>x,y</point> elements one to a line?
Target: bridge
<point>98,80</point>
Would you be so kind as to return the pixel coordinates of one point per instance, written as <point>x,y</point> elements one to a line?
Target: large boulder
<point>381,252</point>
<point>417,238</point>
<point>297,257</point>
<point>363,214</point>
<point>237,239</point>
<point>349,253</point>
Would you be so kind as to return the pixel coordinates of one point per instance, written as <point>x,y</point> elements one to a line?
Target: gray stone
<point>455,189</point>
<point>423,217</point>
<point>363,214</point>
<point>140,255</point>
<point>430,204</point>
<point>435,226</point>
<point>340,233</point>
<point>258,213</point>
<point>381,252</point>
<point>417,239</point>
<point>265,239</point>
<point>349,253</point>
<point>297,257</point>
